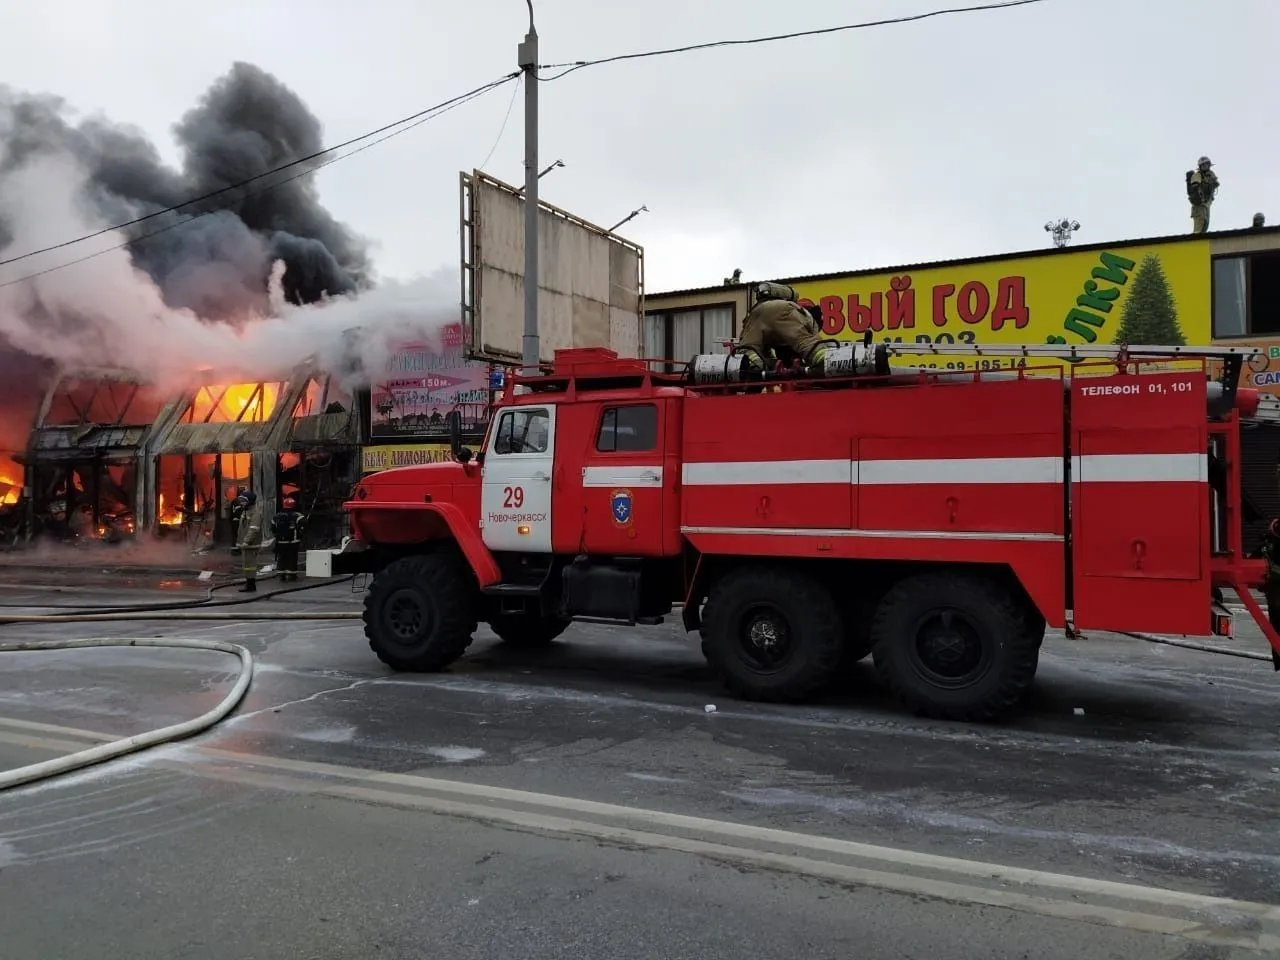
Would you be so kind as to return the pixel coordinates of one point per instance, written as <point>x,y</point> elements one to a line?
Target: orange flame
<point>10,481</point>
<point>225,404</point>
<point>170,517</point>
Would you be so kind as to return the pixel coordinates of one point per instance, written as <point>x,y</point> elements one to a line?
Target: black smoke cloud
<point>218,264</point>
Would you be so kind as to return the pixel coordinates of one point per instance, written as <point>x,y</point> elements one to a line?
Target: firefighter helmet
<point>774,291</point>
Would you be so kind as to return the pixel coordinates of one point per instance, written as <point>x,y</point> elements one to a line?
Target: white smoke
<point>104,312</point>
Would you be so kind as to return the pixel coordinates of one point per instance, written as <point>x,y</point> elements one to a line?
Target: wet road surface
<point>325,817</point>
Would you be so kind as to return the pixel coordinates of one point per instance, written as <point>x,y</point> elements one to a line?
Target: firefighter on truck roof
<point>777,320</point>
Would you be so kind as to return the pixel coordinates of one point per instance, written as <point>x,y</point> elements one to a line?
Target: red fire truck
<point>939,520</point>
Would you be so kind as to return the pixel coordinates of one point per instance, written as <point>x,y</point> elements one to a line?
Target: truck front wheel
<point>772,634</point>
<point>419,614</point>
<point>955,646</point>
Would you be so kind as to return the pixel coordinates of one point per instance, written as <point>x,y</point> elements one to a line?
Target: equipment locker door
<point>515,501</point>
<point>1140,503</point>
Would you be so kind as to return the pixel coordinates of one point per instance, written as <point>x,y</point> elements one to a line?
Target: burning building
<point>21,389</point>
<point>83,463</point>
<point>108,456</point>
<point>203,346</point>
<point>297,436</point>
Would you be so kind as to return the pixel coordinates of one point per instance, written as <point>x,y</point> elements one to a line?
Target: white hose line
<point>175,615</point>
<point>118,748</point>
<point>1202,647</point>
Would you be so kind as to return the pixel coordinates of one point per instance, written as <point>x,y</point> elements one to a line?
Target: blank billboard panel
<point>590,281</point>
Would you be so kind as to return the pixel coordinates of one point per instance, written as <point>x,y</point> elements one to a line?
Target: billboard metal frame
<point>471,275</point>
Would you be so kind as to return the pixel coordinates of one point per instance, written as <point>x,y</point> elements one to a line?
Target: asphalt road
<point>583,802</point>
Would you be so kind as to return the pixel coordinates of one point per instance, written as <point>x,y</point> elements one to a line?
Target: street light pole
<point>528,57</point>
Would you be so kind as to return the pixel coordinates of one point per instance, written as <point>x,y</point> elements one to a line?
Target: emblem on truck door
<point>620,506</point>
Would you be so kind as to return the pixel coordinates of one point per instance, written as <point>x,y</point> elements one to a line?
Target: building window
<point>628,429</point>
<point>677,335</point>
<point>1246,295</point>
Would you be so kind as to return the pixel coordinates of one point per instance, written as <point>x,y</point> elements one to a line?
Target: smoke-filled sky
<point>248,283</point>
<point>951,137</point>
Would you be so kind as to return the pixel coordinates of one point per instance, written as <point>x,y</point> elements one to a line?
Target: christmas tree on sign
<point>1150,315</point>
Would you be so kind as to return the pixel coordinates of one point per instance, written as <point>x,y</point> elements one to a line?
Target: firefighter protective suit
<point>1202,187</point>
<point>286,529</point>
<point>778,321</point>
<point>249,538</point>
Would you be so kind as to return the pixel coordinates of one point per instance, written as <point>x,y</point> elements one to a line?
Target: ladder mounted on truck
<point>1224,392</point>
<point>1119,352</point>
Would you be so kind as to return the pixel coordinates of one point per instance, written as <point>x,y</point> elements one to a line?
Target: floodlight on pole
<point>1062,230</point>
<point>629,217</point>
<point>545,170</point>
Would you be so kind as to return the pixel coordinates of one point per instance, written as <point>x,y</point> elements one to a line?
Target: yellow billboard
<point>1155,294</point>
<point>373,459</point>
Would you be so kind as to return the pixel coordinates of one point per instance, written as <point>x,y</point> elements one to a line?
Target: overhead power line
<point>571,66</point>
<point>408,123</point>
<point>420,117</point>
<point>502,129</point>
<point>403,126</point>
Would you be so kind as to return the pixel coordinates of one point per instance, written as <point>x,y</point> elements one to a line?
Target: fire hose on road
<point>179,611</point>
<point>125,745</point>
<point>186,611</point>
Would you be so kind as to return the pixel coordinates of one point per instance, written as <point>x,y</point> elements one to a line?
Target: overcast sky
<point>953,137</point>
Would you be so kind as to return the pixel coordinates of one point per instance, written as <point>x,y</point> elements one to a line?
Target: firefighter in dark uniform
<point>286,528</point>
<point>777,320</point>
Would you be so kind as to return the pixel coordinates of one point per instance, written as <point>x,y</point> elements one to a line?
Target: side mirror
<point>460,453</point>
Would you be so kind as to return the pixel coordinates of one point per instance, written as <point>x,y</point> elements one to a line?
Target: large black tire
<point>419,614</point>
<point>772,634</point>
<point>527,631</point>
<point>956,646</point>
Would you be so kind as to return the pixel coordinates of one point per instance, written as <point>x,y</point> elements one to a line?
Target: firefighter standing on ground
<point>249,538</point>
<point>286,529</point>
<point>778,320</point>
<point>1202,186</point>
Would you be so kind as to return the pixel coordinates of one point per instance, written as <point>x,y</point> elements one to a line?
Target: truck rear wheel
<point>955,646</point>
<point>527,631</point>
<point>419,613</point>
<point>772,634</point>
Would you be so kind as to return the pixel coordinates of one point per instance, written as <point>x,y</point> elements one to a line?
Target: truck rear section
<point>803,520</point>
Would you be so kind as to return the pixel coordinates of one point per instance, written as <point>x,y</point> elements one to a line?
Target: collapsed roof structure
<point>109,456</point>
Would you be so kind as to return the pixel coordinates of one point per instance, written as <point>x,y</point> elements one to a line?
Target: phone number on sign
<point>946,339</point>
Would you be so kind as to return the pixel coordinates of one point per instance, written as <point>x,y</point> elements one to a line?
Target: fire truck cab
<point>937,520</point>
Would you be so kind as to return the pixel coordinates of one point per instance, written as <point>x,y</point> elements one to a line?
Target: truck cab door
<point>515,499</point>
<point>624,483</point>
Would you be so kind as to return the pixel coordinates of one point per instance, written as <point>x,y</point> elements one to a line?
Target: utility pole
<point>528,57</point>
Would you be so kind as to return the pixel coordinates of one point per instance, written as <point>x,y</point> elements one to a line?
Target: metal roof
<point>86,439</point>
<point>326,428</point>
<point>988,258</point>
<point>216,438</point>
